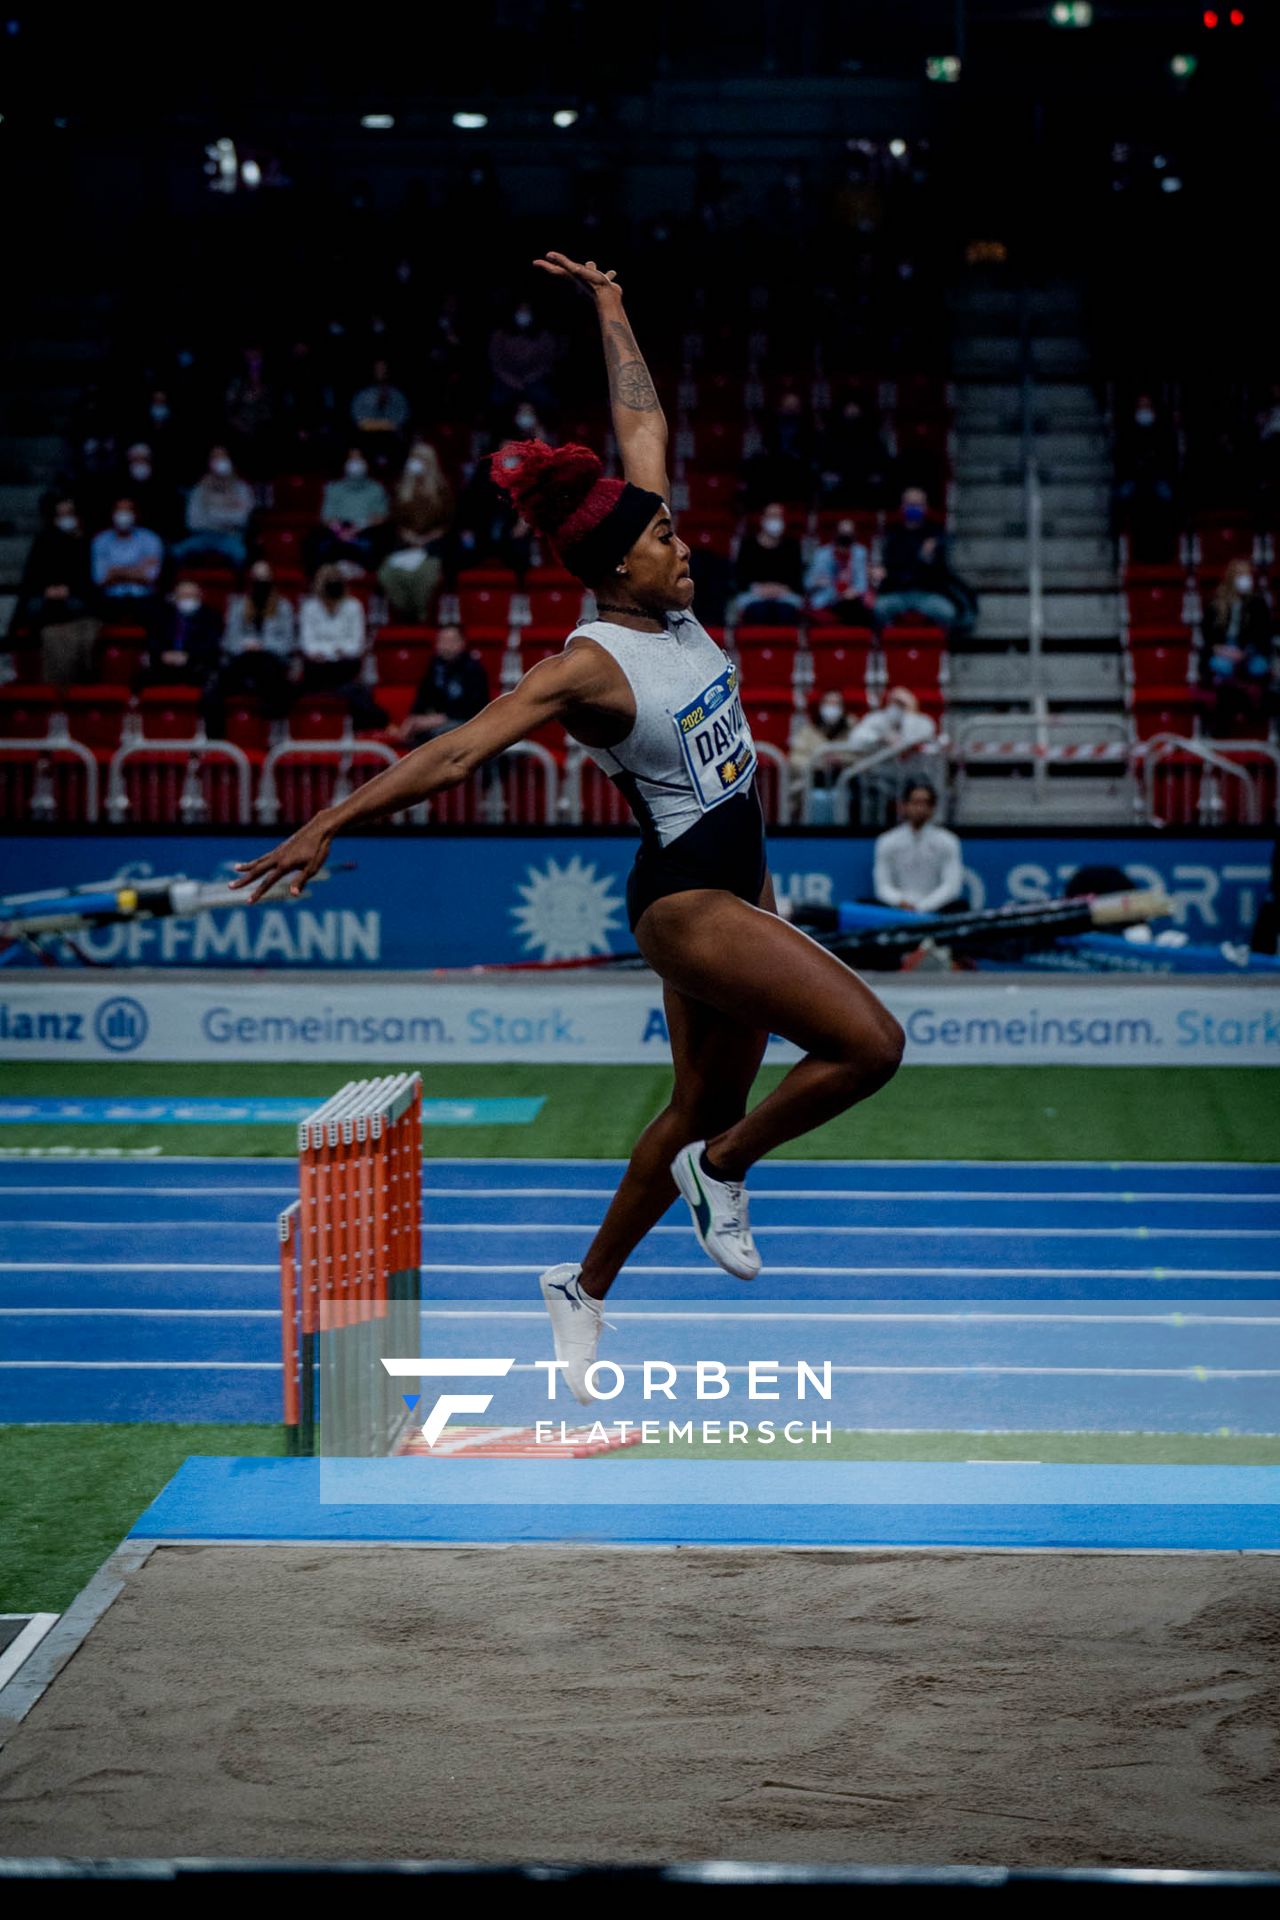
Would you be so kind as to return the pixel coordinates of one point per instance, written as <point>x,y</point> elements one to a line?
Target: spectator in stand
<point>452,690</point>
<point>250,408</point>
<point>919,866</point>
<point>915,577</point>
<point>522,359</point>
<point>353,513</point>
<point>836,580</point>
<point>155,501</point>
<point>67,629</point>
<point>421,514</point>
<point>258,650</point>
<point>1236,667</point>
<point>158,430</point>
<point>125,563</point>
<point>219,508</point>
<point>1146,460</point>
<point>93,441</point>
<point>185,641</point>
<point>58,556</point>
<point>381,414</point>
<point>854,465</point>
<point>332,641</point>
<point>768,574</point>
<point>784,468</point>
<point>898,723</point>
<point>826,726</point>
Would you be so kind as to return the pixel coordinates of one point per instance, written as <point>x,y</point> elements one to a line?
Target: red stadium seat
<point>1224,537</point>
<point>711,492</point>
<point>840,658</point>
<point>395,699</point>
<point>556,606</point>
<point>318,716</point>
<point>769,712</point>
<point>717,443</point>
<point>540,643</point>
<point>484,606</point>
<point>170,713</point>
<point>1167,709</point>
<point>119,659</point>
<point>1159,662</point>
<point>403,654</point>
<point>95,715</point>
<point>247,726</point>
<point>1156,602</point>
<point>298,493</point>
<point>766,655</point>
<point>25,711</point>
<point>707,532</point>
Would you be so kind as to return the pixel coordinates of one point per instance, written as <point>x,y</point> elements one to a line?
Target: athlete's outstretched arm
<point>638,420</point>
<point>584,676</point>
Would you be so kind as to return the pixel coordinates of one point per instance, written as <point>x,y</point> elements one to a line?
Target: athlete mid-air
<point>655,702</point>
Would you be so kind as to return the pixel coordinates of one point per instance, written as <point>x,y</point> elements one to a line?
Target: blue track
<point>980,1295</point>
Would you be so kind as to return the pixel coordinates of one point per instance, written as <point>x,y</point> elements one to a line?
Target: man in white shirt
<point>898,723</point>
<point>918,867</point>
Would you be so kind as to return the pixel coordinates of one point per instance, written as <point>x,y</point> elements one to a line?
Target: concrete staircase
<point>1031,532</point>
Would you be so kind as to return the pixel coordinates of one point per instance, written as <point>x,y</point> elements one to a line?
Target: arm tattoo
<point>629,380</point>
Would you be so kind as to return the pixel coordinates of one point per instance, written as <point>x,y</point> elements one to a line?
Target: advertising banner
<point>442,900</point>
<point>417,1021</point>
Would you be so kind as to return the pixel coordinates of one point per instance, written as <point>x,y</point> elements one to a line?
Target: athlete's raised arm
<point>638,420</point>
<point>583,676</point>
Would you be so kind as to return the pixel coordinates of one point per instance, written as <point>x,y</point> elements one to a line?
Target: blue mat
<point>657,1502</point>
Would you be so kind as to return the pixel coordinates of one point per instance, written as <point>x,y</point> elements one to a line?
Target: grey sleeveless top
<point>690,748</point>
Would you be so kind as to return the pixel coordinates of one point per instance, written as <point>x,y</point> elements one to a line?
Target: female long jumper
<point>646,690</point>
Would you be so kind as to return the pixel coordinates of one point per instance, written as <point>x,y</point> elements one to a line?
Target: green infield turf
<point>69,1494</point>
<point>595,1112</point>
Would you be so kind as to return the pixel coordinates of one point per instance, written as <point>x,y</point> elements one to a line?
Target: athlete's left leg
<point>716,1059</point>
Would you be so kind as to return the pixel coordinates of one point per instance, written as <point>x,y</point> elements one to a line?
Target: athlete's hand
<point>592,279</point>
<point>302,853</point>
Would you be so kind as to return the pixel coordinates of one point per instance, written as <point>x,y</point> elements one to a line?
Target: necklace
<point>636,613</point>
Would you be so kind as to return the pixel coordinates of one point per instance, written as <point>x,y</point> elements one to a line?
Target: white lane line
<point>723,1319</point>
<point>1198,1374</point>
<point>971,1197</point>
<point>1162,1273</point>
<point>17,1227</point>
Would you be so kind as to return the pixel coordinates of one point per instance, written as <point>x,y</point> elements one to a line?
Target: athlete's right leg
<point>716,1058</point>
<point>760,969</point>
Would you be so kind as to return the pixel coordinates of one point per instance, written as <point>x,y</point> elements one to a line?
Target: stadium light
<point>1171,184</point>
<point>1071,13</point>
<point>1236,17</point>
<point>251,174</point>
<point>897,148</point>
<point>1210,19</point>
<point>377,122</point>
<point>471,122</point>
<point>565,117</point>
<point>942,66</point>
<point>1183,65</point>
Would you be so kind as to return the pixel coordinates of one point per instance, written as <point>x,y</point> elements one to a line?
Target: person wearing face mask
<point>836,579</point>
<point>219,508</point>
<point>380,411</point>
<point>156,502</point>
<point>332,641</point>
<point>421,516</point>
<point>125,560</point>
<point>258,650</point>
<point>915,577</point>
<point>768,574</point>
<point>1237,668</point>
<point>58,556</point>
<point>353,515</point>
<point>185,642</point>
<point>1146,466</point>
<point>825,726</point>
<point>522,358</point>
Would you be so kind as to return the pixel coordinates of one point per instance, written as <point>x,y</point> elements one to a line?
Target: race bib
<point>716,742</point>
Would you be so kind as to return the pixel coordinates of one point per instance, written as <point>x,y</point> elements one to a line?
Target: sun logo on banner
<point>569,911</point>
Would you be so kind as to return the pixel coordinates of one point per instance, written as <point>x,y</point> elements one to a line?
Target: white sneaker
<point>720,1216</point>
<point>576,1321</point>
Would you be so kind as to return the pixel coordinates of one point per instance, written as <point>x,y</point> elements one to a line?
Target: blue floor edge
<point>255,1500</point>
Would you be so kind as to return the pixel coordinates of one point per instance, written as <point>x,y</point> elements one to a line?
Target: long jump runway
<point>959,1296</point>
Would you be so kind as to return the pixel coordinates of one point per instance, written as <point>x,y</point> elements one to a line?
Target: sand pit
<point>589,1705</point>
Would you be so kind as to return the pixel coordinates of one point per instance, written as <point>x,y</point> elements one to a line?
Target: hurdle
<point>350,1268</point>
